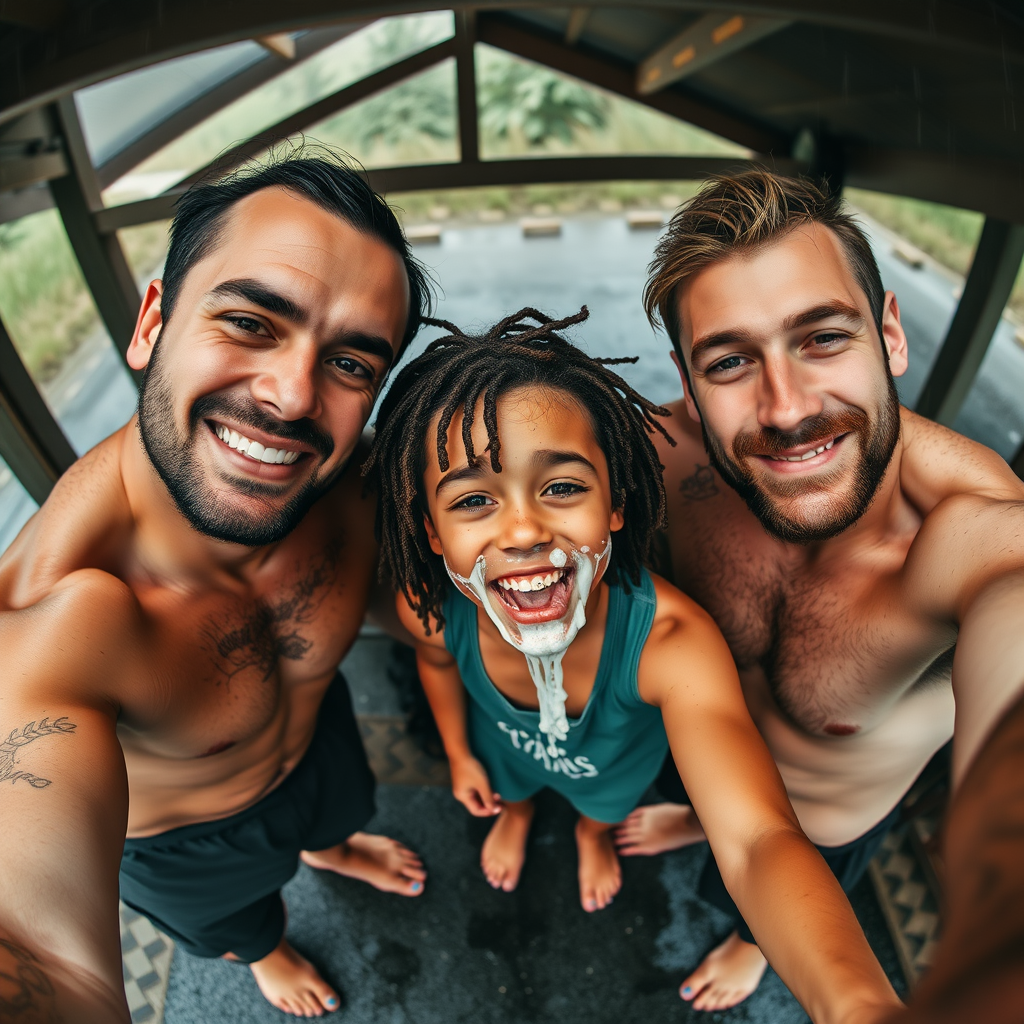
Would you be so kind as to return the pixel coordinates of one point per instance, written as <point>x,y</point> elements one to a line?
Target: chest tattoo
<point>272,630</point>
<point>700,486</point>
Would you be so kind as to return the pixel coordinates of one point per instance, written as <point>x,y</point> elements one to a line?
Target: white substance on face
<point>543,643</point>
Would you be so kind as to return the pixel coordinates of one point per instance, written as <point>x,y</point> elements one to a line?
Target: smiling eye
<point>474,501</point>
<point>351,366</point>
<point>248,324</point>
<point>727,364</point>
<point>829,338</point>
<point>564,489</point>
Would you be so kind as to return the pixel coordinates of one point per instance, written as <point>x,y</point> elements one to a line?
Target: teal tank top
<point>614,750</point>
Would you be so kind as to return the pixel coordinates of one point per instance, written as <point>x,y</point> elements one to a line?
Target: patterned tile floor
<point>906,879</point>
<point>904,873</point>
<point>146,956</point>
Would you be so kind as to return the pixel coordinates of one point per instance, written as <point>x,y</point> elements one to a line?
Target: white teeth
<point>806,455</point>
<point>255,450</point>
<point>524,583</point>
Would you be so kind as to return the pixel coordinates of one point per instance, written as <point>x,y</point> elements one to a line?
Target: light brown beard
<point>876,441</point>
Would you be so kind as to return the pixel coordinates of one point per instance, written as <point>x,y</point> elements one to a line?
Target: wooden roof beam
<point>705,42</point>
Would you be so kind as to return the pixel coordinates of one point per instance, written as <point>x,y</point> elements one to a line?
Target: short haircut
<point>325,179</point>
<point>735,213</point>
<point>453,374</point>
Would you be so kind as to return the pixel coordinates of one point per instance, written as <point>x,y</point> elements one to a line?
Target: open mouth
<point>538,596</point>
<point>254,450</point>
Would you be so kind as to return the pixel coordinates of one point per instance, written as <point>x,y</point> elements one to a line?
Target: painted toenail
<point>687,990</point>
<point>416,886</point>
<point>332,1002</point>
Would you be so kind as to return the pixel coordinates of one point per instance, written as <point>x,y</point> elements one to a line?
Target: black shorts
<point>847,862</point>
<point>214,887</point>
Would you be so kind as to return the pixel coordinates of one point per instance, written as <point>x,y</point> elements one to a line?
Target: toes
<point>693,985</point>
<point>323,997</point>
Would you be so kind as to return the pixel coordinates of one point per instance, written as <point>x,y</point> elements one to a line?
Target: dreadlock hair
<point>453,374</point>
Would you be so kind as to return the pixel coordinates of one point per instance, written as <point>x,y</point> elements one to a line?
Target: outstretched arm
<point>63,813</point>
<point>792,902</point>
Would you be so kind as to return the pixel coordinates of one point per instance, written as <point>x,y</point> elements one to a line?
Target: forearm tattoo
<point>700,485</point>
<point>22,738</point>
<point>26,993</point>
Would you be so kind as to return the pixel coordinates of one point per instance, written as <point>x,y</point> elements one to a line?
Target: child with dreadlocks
<point>519,495</point>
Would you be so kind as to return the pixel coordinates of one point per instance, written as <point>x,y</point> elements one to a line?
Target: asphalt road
<point>488,271</point>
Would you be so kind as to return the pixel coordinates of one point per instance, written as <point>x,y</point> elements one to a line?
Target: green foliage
<point>43,299</point>
<point>520,98</point>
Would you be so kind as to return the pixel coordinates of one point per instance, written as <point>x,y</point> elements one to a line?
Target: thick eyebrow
<point>547,457</point>
<point>280,305</point>
<point>737,336</point>
<point>542,458</point>
<point>261,295</point>
<point>473,471</point>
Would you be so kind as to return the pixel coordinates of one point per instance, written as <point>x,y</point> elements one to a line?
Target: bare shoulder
<point>938,463</point>
<point>76,642</point>
<point>678,619</point>
<point>965,541</point>
<point>85,523</point>
<point>684,651</point>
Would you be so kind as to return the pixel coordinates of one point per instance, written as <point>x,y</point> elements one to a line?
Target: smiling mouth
<point>535,597</point>
<point>809,454</point>
<point>254,449</point>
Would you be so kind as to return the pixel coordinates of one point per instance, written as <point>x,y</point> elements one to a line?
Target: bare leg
<point>599,871</point>
<point>385,863</point>
<point>504,849</point>
<point>291,983</point>
<point>658,828</point>
<point>726,976</point>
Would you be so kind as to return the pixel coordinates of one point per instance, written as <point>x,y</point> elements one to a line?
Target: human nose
<point>289,386</point>
<point>785,398</point>
<point>522,529</point>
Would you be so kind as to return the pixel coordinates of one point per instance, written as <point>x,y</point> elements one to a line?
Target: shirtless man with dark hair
<point>865,565</point>
<point>174,615</point>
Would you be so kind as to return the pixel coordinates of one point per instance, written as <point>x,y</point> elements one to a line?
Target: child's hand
<point>472,788</point>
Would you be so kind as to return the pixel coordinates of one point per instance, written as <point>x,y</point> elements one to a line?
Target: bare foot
<point>599,871</point>
<point>385,863</point>
<point>504,849</point>
<point>658,828</point>
<point>726,976</point>
<point>291,983</point>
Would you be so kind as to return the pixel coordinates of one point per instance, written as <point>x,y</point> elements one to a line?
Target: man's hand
<point>472,788</point>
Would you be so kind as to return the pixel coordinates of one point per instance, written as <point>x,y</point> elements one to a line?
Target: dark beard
<point>174,458</point>
<point>876,447</point>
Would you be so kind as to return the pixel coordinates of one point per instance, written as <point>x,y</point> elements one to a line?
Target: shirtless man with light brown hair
<point>865,565</point>
<point>174,615</point>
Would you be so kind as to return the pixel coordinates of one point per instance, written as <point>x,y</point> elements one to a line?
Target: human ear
<point>147,328</point>
<point>691,405</point>
<point>893,337</point>
<point>432,538</point>
<point>617,520</point>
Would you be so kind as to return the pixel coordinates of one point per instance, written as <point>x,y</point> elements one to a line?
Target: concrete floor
<point>464,953</point>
